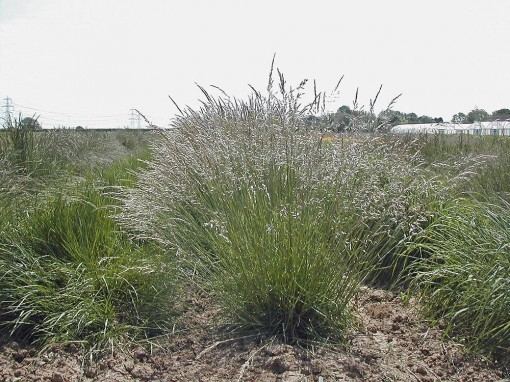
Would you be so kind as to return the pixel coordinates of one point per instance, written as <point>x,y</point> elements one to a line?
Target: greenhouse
<point>477,128</point>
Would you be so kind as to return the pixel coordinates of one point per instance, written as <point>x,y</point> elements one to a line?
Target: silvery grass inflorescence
<point>278,221</point>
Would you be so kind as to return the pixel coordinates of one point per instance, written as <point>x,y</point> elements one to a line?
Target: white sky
<point>90,61</point>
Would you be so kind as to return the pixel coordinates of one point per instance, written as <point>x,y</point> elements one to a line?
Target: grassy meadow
<point>104,234</point>
<point>68,272</point>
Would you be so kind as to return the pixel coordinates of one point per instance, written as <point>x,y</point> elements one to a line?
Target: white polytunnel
<point>477,128</point>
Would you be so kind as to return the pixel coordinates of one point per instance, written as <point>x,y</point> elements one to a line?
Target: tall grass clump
<point>17,144</point>
<point>491,152</point>
<point>15,187</point>
<point>68,274</point>
<point>8,186</point>
<point>277,223</point>
<point>464,279</point>
<point>49,154</point>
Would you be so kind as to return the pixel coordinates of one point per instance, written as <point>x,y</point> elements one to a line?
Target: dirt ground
<point>393,344</point>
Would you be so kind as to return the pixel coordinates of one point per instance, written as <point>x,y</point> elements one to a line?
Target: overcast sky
<point>88,62</point>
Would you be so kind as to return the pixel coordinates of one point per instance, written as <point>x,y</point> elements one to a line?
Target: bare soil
<point>392,344</point>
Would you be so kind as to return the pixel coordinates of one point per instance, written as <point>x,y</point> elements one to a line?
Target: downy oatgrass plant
<point>464,278</point>
<point>279,225</point>
<point>68,273</point>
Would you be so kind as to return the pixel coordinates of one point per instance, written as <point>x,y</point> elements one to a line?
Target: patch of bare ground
<point>392,344</point>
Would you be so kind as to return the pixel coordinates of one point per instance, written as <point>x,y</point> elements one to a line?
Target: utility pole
<point>8,110</point>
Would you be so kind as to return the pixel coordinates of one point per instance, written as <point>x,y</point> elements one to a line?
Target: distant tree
<point>30,123</point>
<point>459,118</point>
<point>344,109</point>
<point>342,118</point>
<point>425,119</point>
<point>411,118</point>
<point>391,118</point>
<point>345,119</point>
<point>477,115</point>
<point>395,117</point>
<point>79,128</point>
<point>501,115</point>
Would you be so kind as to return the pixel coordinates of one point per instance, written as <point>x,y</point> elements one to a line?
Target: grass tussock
<point>492,178</point>
<point>68,273</point>
<point>277,221</point>
<point>52,154</point>
<point>464,278</point>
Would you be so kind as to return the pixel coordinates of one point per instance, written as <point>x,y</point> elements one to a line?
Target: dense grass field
<point>68,273</point>
<point>103,236</point>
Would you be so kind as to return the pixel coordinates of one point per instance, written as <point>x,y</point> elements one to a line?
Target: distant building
<point>477,128</point>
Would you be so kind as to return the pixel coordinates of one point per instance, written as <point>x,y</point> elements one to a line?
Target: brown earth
<point>393,344</point>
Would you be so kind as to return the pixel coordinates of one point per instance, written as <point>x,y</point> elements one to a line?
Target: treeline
<point>348,119</point>
<point>481,115</point>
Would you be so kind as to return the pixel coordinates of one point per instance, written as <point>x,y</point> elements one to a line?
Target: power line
<point>67,119</point>
<point>67,114</point>
<point>63,118</point>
